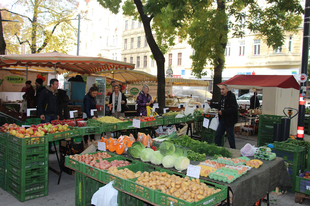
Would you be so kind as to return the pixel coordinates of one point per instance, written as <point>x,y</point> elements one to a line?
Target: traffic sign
<point>303,77</point>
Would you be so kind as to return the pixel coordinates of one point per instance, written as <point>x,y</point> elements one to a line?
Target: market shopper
<point>144,99</point>
<point>228,117</point>
<point>89,104</point>
<point>39,89</point>
<point>63,104</point>
<point>29,95</point>
<point>254,102</point>
<point>117,103</point>
<point>48,104</point>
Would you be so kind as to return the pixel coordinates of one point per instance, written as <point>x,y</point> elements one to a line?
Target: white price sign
<point>165,110</point>
<point>102,146</point>
<point>206,123</point>
<point>180,106</point>
<point>92,112</point>
<point>136,123</point>
<point>72,114</point>
<point>30,111</point>
<point>193,171</point>
<point>155,105</point>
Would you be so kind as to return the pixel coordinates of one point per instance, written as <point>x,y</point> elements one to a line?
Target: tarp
<point>80,64</point>
<point>261,81</point>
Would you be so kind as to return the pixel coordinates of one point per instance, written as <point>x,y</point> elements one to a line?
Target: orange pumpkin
<point>120,148</point>
<point>112,146</point>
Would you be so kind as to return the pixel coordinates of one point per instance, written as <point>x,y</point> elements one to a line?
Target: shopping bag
<point>105,196</point>
<point>214,123</point>
<point>149,111</point>
<point>24,106</point>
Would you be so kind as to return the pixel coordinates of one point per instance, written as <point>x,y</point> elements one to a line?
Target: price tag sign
<point>155,105</point>
<point>180,106</point>
<point>165,110</point>
<point>136,107</point>
<point>101,146</point>
<point>31,112</point>
<point>193,171</point>
<point>136,123</point>
<point>72,114</point>
<point>93,112</point>
<point>205,123</point>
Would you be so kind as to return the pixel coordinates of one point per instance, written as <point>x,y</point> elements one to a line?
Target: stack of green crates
<point>265,128</point>
<point>294,156</point>
<point>3,160</point>
<point>27,167</point>
<point>85,187</point>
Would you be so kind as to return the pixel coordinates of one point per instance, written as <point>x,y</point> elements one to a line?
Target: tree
<point>48,25</point>
<point>206,24</point>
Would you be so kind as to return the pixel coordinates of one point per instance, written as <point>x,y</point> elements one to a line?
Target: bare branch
<point>22,42</point>
<point>16,14</point>
<point>47,38</point>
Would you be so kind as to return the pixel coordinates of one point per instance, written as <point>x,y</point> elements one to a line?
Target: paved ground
<point>64,193</point>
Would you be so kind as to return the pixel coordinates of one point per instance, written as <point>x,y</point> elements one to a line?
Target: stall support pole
<point>27,73</point>
<point>55,71</point>
<point>304,68</point>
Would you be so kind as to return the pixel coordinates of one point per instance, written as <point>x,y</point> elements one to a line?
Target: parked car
<point>244,100</point>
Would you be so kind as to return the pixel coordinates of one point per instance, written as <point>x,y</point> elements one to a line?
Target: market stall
<point>279,91</point>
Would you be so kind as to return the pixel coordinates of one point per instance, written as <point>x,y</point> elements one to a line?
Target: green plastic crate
<point>125,125</point>
<point>302,185</point>
<point>63,135</point>
<point>3,178</point>
<point>148,124</point>
<point>73,164</point>
<point>26,141</point>
<point>167,200</point>
<point>159,121</point>
<point>180,120</point>
<point>167,120</point>
<point>89,130</point>
<point>22,196</point>
<point>265,128</point>
<point>27,176</point>
<point>32,121</point>
<point>28,188</point>
<point>124,199</point>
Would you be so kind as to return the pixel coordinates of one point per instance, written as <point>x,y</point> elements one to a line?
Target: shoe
<point>51,152</point>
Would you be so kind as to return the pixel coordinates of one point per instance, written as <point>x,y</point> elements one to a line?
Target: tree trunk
<point>2,42</point>
<point>158,55</point>
<point>34,25</point>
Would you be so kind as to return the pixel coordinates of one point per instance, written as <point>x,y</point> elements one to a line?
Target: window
<point>241,48</point>
<point>170,60</point>
<point>256,47</point>
<point>138,62</point>
<point>278,50</point>
<point>131,60</point>
<point>145,42</point>
<point>139,42</point>
<point>152,63</point>
<point>227,50</point>
<point>125,44</point>
<point>290,41</point>
<point>139,24</point>
<point>179,59</point>
<point>115,56</point>
<point>133,24</point>
<point>144,61</point>
<point>126,25</point>
<point>125,59</point>
<point>107,41</point>
<point>131,43</point>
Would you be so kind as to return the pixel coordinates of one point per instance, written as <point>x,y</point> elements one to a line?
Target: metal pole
<point>78,36</point>
<point>27,73</point>
<point>304,68</point>
<point>55,71</point>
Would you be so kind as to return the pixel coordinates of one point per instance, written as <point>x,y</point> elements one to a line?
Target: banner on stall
<point>14,80</point>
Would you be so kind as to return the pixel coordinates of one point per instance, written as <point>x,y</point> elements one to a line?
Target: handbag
<point>214,123</point>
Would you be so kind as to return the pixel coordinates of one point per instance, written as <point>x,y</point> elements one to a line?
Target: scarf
<point>119,103</point>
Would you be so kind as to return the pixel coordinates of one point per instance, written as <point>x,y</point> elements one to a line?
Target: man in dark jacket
<point>254,102</point>
<point>228,115</point>
<point>39,89</point>
<point>63,104</point>
<point>48,104</point>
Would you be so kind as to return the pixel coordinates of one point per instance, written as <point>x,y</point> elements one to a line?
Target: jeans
<point>230,134</point>
<point>49,119</point>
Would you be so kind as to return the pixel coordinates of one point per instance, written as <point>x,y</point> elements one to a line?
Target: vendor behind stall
<point>144,99</point>
<point>117,102</point>
<point>89,104</point>
<point>29,95</point>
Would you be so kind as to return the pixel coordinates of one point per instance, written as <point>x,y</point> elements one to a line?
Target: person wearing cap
<point>29,95</point>
<point>39,89</point>
<point>144,99</point>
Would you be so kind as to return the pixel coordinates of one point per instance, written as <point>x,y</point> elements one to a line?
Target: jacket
<point>124,106</point>
<point>252,101</point>
<point>141,101</point>
<point>38,91</point>
<point>230,112</point>
<point>48,102</point>
<point>89,103</point>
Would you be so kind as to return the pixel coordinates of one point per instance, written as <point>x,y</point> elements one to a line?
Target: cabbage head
<point>136,149</point>
<point>157,158</point>
<point>166,148</point>
<point>179,152</point>
<point>181,163</point>
<point>168,161</point>
<point>146,154</point>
